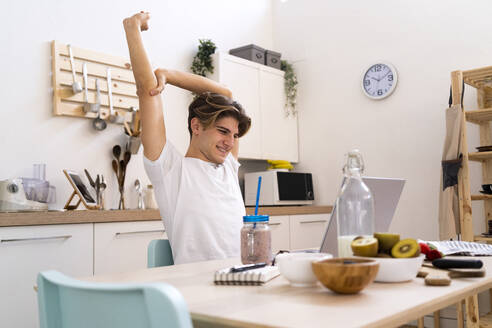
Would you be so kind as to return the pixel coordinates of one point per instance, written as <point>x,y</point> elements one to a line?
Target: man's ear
<point>196,126</point>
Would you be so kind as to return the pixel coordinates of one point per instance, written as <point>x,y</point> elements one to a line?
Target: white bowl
<point>297,269</point>
<point>398,270</point>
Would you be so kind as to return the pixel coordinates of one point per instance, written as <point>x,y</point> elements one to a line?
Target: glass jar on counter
<point>149,198</point>
<point>256,239</point>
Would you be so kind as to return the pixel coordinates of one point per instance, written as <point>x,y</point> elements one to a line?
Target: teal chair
<point>65,302</point>
<point>159,253</point>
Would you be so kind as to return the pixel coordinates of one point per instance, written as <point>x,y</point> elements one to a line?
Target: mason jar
<point>256,240</point>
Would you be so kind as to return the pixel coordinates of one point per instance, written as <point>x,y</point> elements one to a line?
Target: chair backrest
<point>159,253</point>
<point>67,302</point>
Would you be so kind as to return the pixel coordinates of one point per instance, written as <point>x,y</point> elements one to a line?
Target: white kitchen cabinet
<point>279,131</point>
<point>307,231</point>
<point>241,76</point>
<point>25,251</point>
<point>279,226</point>
<point>122,246</point>
<point>260,90</point>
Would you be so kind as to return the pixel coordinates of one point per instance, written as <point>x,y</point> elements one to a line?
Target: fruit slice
<point>406,248</point>
<point>365,246</point>
<point>386,240</point>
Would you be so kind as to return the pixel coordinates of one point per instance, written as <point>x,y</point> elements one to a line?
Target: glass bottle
<point>256,240</point>
<point>354,205</point>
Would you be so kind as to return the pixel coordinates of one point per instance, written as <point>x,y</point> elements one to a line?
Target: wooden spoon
<point>117,152</point>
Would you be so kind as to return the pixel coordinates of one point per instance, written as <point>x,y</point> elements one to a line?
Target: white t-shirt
<point>200,203</point>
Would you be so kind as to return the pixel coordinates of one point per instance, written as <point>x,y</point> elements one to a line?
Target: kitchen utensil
<point>438,277</point>
<point>127,128</point>
<point>102,187</point>
<point>138,188</point>
<point>114,164</point>
<point>126,157</point>
<point>447,263</point>
<point>136,124</point>
<point>346,275</point>
<point>113,117</point>
<point>117,152</point>
<point>93,185</point>
<point>98,123</point>
<point>95,107</point>
<point>296,267</point>
<point>132,122</point>
<point>76,87</point>
<point>87,105</point>
<point>121,180</point>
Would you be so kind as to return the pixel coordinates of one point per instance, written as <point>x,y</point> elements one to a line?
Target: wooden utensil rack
<point>65,102</point>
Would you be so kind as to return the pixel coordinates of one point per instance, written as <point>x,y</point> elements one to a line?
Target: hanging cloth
<point>449,212</point>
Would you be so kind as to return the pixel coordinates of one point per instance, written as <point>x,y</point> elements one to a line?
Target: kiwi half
<point>365,246</point>
<point>386,241</point>
<point>406,248</point>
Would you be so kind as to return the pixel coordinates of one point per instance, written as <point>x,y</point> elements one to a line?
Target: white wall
<point>31,134</point>
<point>333,42</point>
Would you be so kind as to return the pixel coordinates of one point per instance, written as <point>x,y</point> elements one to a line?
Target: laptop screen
<point>386,193</point>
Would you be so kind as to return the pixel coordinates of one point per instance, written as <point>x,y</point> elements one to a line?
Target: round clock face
<point>379,81</point>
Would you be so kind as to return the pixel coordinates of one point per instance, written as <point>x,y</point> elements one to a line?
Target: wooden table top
<point>279,304</point>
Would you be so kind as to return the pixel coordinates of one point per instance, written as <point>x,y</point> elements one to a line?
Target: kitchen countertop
<point>11,219</point>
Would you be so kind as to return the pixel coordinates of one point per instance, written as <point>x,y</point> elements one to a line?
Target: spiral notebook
<point>253,277</point>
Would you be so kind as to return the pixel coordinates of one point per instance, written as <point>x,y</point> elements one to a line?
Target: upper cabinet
<point>260,90</point>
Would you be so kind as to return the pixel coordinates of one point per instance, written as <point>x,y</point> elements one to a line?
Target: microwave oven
<point>279,188</point>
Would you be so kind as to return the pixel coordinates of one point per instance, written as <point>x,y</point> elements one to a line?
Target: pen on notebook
<point>247,267</point>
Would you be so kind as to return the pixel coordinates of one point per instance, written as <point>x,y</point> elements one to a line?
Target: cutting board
<point>439,277</point>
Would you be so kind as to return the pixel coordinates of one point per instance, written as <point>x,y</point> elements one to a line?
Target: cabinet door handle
<point>314,221</point>
<point>13,240</point>
<point>276,223</point>
<point>137,232</point>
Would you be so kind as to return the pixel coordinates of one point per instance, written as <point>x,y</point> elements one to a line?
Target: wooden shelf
<point>479,116</point>
<point>482,238</point>
<point>486,320</point>
<point>478,77</point>
<point>481,197</point>
<point>480,156</point>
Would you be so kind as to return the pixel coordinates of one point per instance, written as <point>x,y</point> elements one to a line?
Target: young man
<point>198,195</point>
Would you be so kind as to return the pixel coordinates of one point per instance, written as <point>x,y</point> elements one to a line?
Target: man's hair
<point>209,107</point>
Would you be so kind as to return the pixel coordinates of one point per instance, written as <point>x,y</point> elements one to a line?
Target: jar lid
<point>255,218</point>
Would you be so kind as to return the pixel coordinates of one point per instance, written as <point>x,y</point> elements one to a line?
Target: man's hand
<point>160,74</point>
<point>141,20</point>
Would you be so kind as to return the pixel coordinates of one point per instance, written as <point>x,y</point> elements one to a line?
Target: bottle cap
<point>256,218</point>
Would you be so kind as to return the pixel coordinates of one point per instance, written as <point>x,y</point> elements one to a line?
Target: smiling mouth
<point>222,150</point>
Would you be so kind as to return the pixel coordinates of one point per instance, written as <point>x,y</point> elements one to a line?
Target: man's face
<point>217,141</point>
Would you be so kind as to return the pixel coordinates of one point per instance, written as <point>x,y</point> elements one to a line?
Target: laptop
<point>386,193</point>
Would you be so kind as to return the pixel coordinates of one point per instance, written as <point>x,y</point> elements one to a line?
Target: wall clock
<point>379,80</point>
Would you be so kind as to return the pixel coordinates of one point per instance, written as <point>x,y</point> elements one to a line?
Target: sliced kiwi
<point>365,246</point>
<point>406,248</point>
<point>386,240</point>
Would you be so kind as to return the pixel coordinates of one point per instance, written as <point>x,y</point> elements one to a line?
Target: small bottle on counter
<point>256,240</point>
<point>149,198</point>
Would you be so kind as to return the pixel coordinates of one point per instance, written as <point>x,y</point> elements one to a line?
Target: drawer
<point>25,251</point>
<point>122,246</point>
<point>307,231</point>
<point>279,226</point>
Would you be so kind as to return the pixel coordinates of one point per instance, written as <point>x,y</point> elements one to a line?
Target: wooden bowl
<point>346,275</point>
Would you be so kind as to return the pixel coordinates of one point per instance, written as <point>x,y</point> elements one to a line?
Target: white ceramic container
<point>297,269</point>
<point>398,270</point>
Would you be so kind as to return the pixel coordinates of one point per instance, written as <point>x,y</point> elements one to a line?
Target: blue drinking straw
<point>258,195</point>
